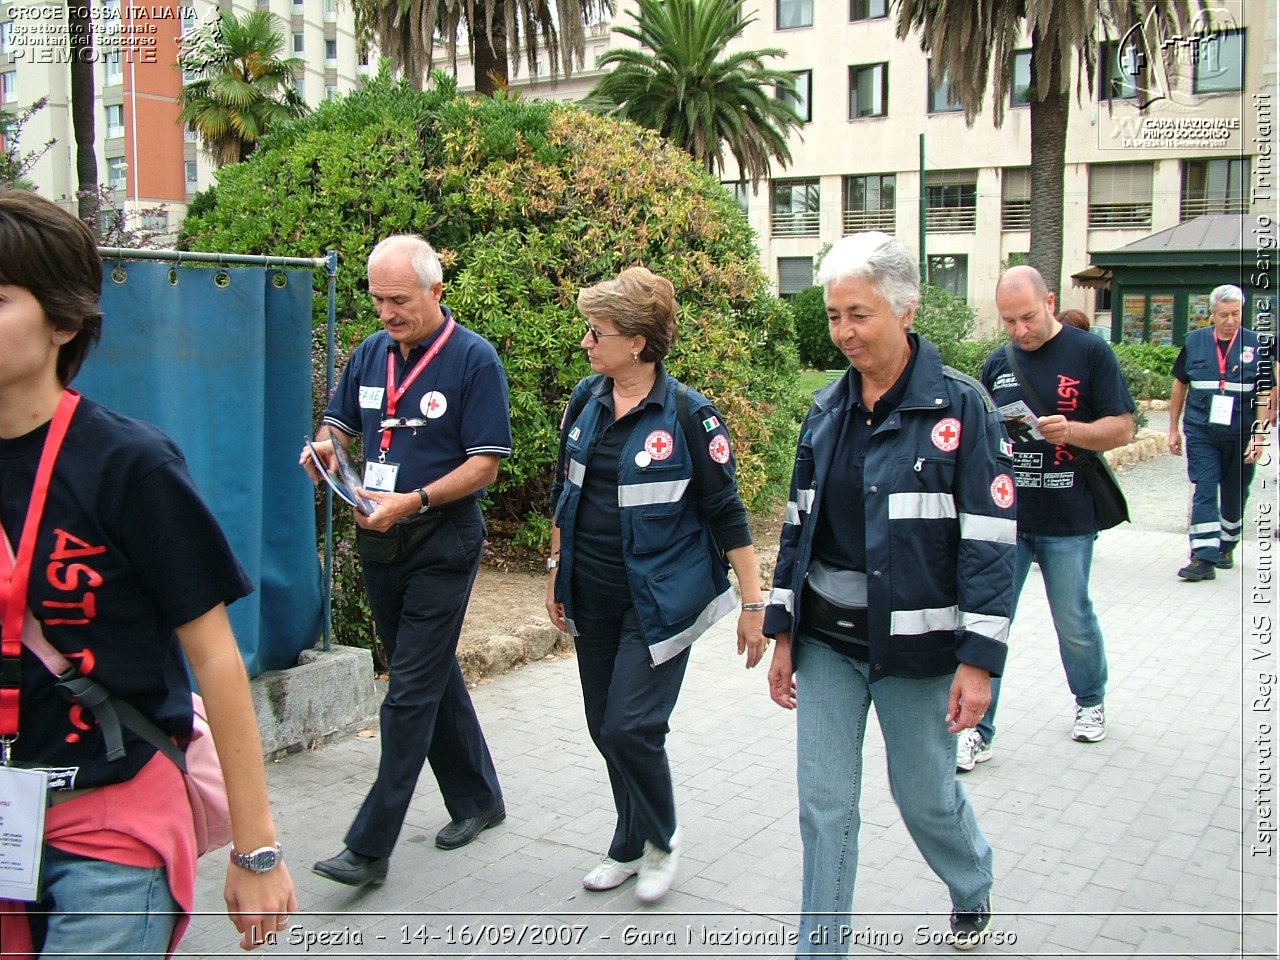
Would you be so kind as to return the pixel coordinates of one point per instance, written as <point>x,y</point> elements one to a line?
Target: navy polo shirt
<point>461,395</point>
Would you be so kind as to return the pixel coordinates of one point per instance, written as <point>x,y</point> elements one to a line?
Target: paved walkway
<point>1141,845</point>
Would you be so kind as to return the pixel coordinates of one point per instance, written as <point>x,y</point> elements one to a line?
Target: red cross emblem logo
<point>946,434</point>
<point>1002,491</point>
<point>434,404</point>
<point>659,445</point>
<point>718,448</point>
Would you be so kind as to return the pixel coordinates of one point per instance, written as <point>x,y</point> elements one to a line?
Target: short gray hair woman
<point>893,586</point>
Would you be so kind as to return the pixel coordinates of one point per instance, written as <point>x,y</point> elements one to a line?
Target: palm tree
<point>682,84</point>
<point>243,86</point>
<point>80,41</point>
<point>407,31</point>
<point>972,45</point>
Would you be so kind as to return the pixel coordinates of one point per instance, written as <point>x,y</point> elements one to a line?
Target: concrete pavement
<point>1146,844</point>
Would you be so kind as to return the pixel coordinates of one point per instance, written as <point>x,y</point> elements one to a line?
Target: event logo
<point>1152,65</point>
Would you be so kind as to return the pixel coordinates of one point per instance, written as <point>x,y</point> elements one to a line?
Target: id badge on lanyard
<point>380,476</point>
<point>1221,408</point>
<point>25,794</point>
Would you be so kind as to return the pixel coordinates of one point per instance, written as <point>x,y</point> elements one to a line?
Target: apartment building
<point>1137,160</point>
<point>147,158</point>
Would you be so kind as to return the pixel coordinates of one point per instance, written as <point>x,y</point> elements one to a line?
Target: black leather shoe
<point>1226,560</point>
<point>353,869</point>
<point>459,833</point>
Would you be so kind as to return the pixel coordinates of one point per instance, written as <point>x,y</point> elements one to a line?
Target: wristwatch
<point>262,860</point>
<point>426,500</point>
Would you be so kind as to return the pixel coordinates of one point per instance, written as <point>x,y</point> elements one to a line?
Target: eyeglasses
<point>595,334</point>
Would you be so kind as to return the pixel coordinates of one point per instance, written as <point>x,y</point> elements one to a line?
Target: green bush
<point>526,202</point>
<point>813,331</point>
<point>1150,366</point>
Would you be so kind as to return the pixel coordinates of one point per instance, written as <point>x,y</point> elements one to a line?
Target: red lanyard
<point>394,393</point>
<point>1222,359</point>
<point>16,574</point>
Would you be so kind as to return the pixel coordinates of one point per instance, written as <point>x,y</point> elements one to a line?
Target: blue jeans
<point>1065,563</point>
<point>833,694</point>
<point>95,908</point>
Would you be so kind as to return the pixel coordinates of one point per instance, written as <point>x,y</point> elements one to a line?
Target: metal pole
<point>331,332</point>
<point>923,214</point>
<point>184,256</point>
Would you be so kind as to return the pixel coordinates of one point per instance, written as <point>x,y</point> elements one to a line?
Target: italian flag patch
<point>710,424</point>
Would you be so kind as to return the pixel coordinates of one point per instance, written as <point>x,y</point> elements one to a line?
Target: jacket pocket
<point>683,591</point>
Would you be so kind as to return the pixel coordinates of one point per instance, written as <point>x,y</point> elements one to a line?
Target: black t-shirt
<point>127,551</point>
<point>1077,374</point>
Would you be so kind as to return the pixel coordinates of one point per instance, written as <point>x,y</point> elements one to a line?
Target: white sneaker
<point>657,870</point>
<point>971,750</point>
<point>608,874</point>
<point>1091,724</point>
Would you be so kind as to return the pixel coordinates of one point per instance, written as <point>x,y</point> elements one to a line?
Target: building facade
<point>1140,158</point>
<point>146,158</point>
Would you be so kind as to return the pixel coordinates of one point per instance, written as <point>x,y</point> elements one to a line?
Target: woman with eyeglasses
<point>646,514</point>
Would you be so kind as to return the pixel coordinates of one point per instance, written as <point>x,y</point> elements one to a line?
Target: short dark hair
<point>54,255</point>
<point>639,303</point>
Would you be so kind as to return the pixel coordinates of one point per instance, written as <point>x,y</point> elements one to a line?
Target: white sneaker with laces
<point>971,750</point>
<point>1091,724</point>
<point>609,873</point>
<point>657,870</point>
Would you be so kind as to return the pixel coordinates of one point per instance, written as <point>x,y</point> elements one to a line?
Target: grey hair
<point>1228,292</point>
<point>422,258</point>
<point>880,259</point>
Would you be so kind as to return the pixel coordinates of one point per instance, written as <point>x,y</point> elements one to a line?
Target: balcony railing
<point>855,221</point>
<point>803,223</point>
<point>951,219</point>
<point>1015,215</point>
<point>1203,206</point>
<point>1106,216</point>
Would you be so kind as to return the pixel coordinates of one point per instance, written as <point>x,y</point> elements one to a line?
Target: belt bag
<point>1108,500</point>
<point>847,624</point>
<point>403,539</point>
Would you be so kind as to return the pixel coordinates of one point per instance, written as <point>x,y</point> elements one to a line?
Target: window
<point>109,219</point>
<point>1117,71</point>
<point>6,36</point>
<point>801,100</point>
<point>1219,64</point>
<point>1215,186</point>
<point>1020,88</point>
<point>794,274</point>
<point>869,202</point>
<point>940,96</point>
<point>264,4</point>
<point>116,168</point>
<point>8,86</point>
<point>115,120</point>
<point>795,208</point>
<point>1120,195</point>
<point>191,176</point>
<point>951,201</point>
<point>868,90</point>
<point>330,91</point>
<point>331,53</point>
<point>868,9</point>
<point>794,13</point>
<point>740,192</point>
<point>190,134</point>
<point>1102,300</point>
<point>330,11</point>
<point>950,272</point>
<point>1015,199</point>
<point>362,57</point>
<point>156,221</point>
<point>112,69</point>
<point>187,19</point>
<point>298,44</point>
<point>298,7</point>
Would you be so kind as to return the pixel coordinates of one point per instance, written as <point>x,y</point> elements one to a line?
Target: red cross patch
<point>659,445</point>
<point>1002,491</point>
<point>946,434</point>
<point>434,404</point>
<point>719,448</point>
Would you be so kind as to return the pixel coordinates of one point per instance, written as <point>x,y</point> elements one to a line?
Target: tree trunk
<point>1048,159</point>
<point>491,50</point>
<point>80,38</point>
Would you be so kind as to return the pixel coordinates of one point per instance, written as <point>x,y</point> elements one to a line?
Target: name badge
<point>380,476</point>
<point>23,795</point>
<point>371,397</point>
<point>1220,409</point>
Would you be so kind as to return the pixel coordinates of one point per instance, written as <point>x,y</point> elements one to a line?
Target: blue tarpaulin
<point>226,372</point>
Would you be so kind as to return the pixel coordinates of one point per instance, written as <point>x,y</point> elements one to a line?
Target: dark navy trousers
<point>628,704</point>
<point>418,604</point>
<point>1221,478</point>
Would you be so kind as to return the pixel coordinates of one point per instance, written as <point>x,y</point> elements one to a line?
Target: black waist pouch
<point>397,543</point>
<point>821,616</point>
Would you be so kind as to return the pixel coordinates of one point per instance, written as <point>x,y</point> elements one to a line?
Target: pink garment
<point>116,823</point>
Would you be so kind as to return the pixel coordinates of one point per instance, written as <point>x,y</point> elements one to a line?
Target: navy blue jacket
<point>1248,361</point>
<point>941,530</point>
<point>675,570</point>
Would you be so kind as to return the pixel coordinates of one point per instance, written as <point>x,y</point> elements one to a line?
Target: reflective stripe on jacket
<point>674,569</point>
<point>941,529</point>
<point>1244,361</point>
